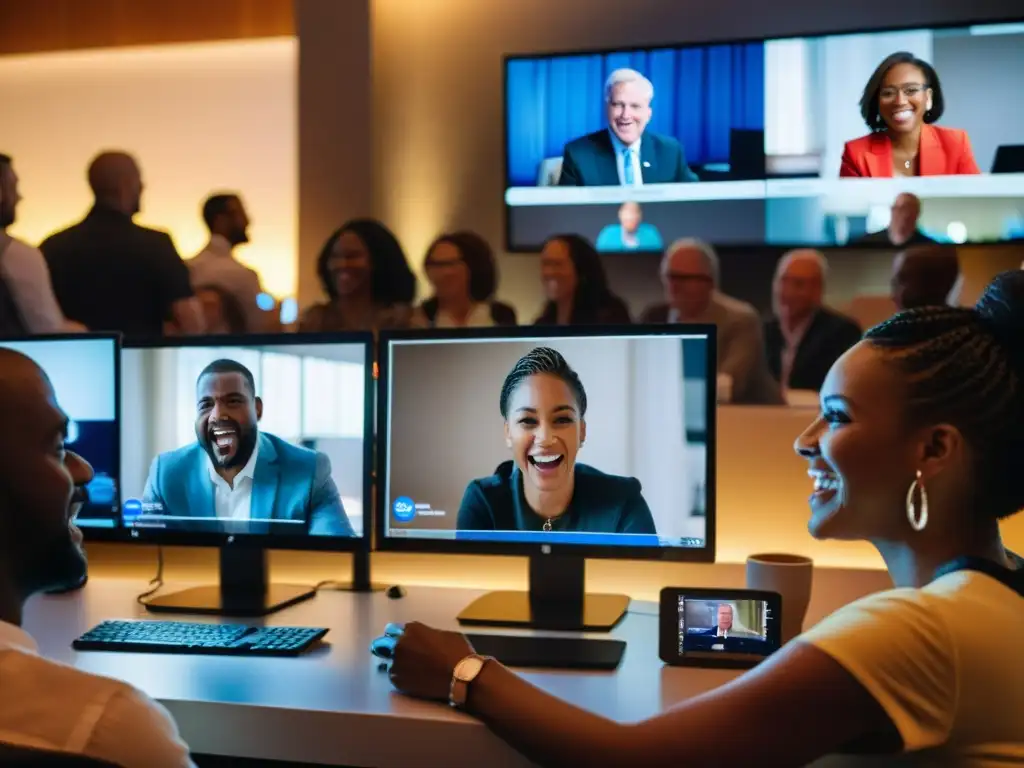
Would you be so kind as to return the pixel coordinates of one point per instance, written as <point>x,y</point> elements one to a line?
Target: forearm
<point>547,730</point>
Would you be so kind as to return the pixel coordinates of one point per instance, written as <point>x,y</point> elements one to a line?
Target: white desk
<point>334,705</point>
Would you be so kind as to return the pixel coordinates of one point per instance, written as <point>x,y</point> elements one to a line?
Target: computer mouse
<point>395,592</point>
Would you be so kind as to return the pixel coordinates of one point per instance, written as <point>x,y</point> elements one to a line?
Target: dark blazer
<point>110,274</point>
<point>828,336</point>
<point>881,238</point>
<point>601,503</point>
<point>289,483</point>
<point>589,161</point>
<point>612,311</point>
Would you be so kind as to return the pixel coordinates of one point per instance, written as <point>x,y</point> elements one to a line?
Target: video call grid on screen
<point>723,627</point>
<point>84,373</point>
<point>301,470</point>
<point>763,124</point>
<point>648,424</point>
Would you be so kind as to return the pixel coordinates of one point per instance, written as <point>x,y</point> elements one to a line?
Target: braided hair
<point>542,360</point>
<point>965,367</point>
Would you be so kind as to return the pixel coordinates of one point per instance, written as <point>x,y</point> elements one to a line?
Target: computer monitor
<point>488,445</point>
<point>247,444</point>
<point>84,370</point>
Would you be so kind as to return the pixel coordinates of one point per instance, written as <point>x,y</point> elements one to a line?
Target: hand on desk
<point>422,658</point>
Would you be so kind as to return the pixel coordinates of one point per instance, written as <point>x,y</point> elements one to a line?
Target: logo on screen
<point>131,509</point>
<point>404,509</point>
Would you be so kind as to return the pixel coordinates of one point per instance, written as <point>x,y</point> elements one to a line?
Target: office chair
<point>13,756</point>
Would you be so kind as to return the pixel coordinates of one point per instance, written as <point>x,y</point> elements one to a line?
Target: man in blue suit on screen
<point>621,154</point>
<point>235,479</point>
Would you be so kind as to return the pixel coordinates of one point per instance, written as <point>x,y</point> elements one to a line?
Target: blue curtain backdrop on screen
<point>700,95</point>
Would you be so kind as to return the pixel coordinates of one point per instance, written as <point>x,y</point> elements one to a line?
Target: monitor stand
<point>244,589</point>
<point>556,601</point>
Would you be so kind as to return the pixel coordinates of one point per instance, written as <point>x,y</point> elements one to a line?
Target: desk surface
<point>334,705</point>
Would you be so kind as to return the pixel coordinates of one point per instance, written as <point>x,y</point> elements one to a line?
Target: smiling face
<point>557,272</point>
<point>629,110</point>
<point>447,272</point>
<point>904,98</point>
<point>227,412</point>
<point>42,486</point>
<point>861,456</point>
<point>544,430</point>
<point>349,265</point>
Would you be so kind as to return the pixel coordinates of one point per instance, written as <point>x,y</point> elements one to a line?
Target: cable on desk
<point>157,581</point>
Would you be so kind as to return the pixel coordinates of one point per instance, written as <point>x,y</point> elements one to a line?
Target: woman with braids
<point>543,488</point>
<point>919,449</point>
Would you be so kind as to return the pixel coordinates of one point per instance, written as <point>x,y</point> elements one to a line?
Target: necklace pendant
<point>547,524</point>
<point>906,164</point>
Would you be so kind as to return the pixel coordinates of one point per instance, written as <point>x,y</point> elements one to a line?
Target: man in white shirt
<point>43,704</point>
<point>23,269</point>
<point>216,264</point>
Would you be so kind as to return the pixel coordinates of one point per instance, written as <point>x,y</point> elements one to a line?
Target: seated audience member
<point>543,487</point>
<point>805,337</point>
<point>27,303</point>
<point>242,477</point>
<point>460,267</point>
<point>221,313</point>
<point>926,276</point>
<point>919,449</point>
<point>689,273</point>
<point>624,153</point>
<point>901,103</point>
<point>367,279</point>
<point>216,264</point>
<point>576,285</point>
<point>632,233</point>
<point>902,230</point>
<point>109,273</point>
<point>44,704</point>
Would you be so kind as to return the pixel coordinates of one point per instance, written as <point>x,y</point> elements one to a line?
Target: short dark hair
<point>542,360</point>
<point>391,279</point>
<point>217,205</point>
<point>478,257</point>
<point>869,100</point>
<point>965,367</point>
<point>225,365</point>
<point>5,160</point>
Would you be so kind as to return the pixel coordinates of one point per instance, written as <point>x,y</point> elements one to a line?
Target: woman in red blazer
<point>901,103</point>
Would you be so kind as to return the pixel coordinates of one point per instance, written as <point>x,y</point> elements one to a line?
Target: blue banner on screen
<point>797,141</point>
<point>585,440</point>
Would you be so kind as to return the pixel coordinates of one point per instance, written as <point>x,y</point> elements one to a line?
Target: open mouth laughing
<point>546,463</point>
<point>225,439</point>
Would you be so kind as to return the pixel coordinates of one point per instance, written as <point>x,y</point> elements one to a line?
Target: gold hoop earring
<point>917,516</point>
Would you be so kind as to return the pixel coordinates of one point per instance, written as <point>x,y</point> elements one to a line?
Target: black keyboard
<point>549,652</point>
<point>193,637</point>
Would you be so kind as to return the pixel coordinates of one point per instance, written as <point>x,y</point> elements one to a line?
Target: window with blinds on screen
<point>237,439</point>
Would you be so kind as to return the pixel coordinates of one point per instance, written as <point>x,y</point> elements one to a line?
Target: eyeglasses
<point>910,90</point>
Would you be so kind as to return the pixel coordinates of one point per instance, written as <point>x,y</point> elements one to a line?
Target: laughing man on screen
<point>235,479</point>
<point>622,154</point>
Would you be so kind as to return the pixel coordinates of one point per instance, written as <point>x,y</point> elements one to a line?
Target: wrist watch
<point>464,674</point>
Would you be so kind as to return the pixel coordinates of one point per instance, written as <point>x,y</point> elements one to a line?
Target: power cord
<point>157,581</point>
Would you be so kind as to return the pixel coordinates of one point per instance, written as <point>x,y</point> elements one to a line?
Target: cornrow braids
<point>963,367</point>
<point>542,360</point>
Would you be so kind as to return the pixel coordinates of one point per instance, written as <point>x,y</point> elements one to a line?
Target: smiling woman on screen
<point>543,488</point>
<point>902,100</point>
<point>919,449</point>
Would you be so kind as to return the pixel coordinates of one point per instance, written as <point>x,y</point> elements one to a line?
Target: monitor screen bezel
<point>522,248</point>
<point>705,554</point>
<point>88,532</point>
<point>267,541</point>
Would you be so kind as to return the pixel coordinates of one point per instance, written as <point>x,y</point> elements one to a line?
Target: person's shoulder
<point>663,142</point>
<point>597,483</point>
<point>62,238</point>
<point>503,314</point>
<point>737,309</point>
<point>289,452</point>
<point>590,141</point>
<point>655,313</point>
<point>950,139</point>
<point>151,234</point>
<point>861,144</point>
<point>878,616</point>
<point>837,320</point>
